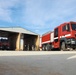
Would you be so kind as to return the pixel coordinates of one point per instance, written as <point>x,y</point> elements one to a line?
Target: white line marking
<point>72,57</point>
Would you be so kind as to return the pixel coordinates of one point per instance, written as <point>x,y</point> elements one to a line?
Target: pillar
<point>18,42</point>
<point>37,42</point>
<point>22,42</point>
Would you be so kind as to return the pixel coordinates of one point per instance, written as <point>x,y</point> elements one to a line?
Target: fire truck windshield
<point>4,40</point>
<point>73,26</point>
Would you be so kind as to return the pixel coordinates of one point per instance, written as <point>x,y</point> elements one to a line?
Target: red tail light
<point>0,43</point>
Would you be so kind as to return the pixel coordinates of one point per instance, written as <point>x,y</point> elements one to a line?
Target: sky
<point>39,16</point>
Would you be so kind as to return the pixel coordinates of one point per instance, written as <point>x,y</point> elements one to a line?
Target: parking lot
<point>37,62</point>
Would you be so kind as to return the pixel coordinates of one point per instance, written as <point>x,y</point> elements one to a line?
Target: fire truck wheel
<point>43,48</point>
<point>63,46</point>
<point>48,47</point>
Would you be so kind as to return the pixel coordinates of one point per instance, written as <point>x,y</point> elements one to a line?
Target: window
<point>73,26</point>
<point>66,28</point>
<point>56,32</point>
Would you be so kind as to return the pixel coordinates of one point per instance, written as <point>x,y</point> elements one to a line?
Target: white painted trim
<point>65,35</point>
<point>46,42</point>
<point>60,36</point>
<point>52,37</point>
<point>56,38</point>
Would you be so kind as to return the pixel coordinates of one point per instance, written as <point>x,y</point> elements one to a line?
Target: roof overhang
<point>17,30</point>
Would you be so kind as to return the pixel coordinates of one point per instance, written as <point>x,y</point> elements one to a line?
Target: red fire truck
<point>4,43</point>
<point>63,37</point>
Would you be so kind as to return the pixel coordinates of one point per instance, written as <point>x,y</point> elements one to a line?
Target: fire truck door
<point>66,30</point>
<point>56,38</point>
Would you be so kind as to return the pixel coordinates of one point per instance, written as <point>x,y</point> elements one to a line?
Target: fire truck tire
<point>63,46</point>
<point>43,47</point>
<point>48,47</point>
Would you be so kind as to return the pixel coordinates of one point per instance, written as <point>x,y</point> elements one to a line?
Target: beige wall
<point>37,42</point>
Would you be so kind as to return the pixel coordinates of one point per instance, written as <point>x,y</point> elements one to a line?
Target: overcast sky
<point>39,16</point>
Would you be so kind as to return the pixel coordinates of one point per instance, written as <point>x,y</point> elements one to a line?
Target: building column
<point>22,42</point>
<point>18,42</point>
<point>37,42</point>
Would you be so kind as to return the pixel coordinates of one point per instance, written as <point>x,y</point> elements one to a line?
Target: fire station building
<point>19,38</point>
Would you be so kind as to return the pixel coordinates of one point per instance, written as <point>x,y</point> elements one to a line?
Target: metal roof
<point>18,30</point>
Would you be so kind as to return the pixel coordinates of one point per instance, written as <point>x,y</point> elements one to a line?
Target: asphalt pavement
<point>37,62</point>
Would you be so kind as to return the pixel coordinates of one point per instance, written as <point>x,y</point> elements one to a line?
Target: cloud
<point>35,13</point>
<point>5,11</point>
<point>5,15</point>
<point>38,12</point>
<point>48,13</point>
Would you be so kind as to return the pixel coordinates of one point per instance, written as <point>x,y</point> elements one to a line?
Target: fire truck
<point>4,43</point>
<point>63,37</point>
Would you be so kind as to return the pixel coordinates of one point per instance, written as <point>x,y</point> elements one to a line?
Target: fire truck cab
<point>65,36</point>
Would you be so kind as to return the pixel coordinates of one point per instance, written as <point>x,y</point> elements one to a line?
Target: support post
<point>37,42</point>
<point>18,42</point>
